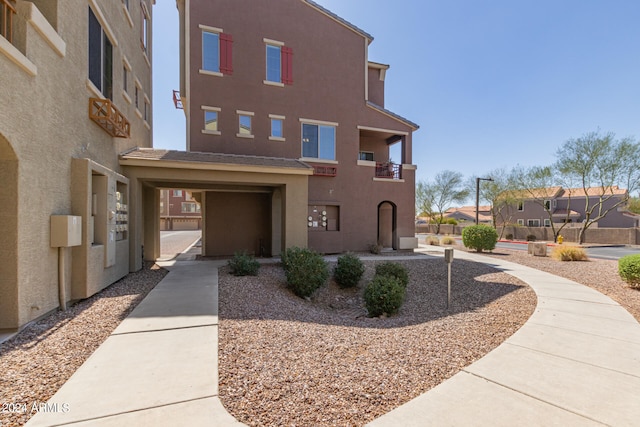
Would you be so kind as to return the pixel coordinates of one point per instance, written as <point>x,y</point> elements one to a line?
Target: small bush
<point>385,294</point>
<point>348,271</point>
<point>531,237</point>
<point>395,270</point>
<point>305,269</point>
<point>243,264</point>
<point>479,237</point>
<point>375,248</point>
<point>509,236</point>
<point>433,241</point>
<point>629,270</point>
<point>448,240</point>
<point>568,253</point>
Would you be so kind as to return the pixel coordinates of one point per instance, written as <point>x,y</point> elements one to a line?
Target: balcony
<point>388,170</point>
<point>7,12</point>
<point>325,170</point>
<point>105,114</point>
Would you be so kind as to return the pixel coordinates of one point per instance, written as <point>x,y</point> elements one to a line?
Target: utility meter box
<point>66,231</point>
<point>448,255</point>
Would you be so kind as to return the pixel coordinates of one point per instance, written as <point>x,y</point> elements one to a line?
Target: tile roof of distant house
<point>394,115</point>
<point>339,19</point>
<point>594,191</point>
<point>216,158</point>
<point>472,209</point>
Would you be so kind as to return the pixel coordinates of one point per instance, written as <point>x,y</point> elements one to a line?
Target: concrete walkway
<point>159,367</point>
<point>575,362</point>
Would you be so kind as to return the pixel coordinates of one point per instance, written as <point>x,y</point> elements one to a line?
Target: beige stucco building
<point>63,62</point>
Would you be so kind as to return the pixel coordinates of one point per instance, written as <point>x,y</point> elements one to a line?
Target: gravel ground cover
<point>287,361</point>
<point>38,361</point>
<point>601,275</point>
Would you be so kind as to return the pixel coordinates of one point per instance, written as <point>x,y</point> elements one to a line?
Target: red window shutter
<point>287,65</point>
<point>226,53</point>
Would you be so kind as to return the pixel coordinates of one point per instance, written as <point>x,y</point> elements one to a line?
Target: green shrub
<point>448,240</point>
<point>509,236</point>
<point>568,253</point>
<point>385,294</point>
<point>531,237</point>
<point>629,269</point>
<point>243,264</point>
<point>348,271</point>
<point>375,248</point>
<point>433,241</point>
<point>305,269</point>
<point>395,270</point>
<point>479,237</point>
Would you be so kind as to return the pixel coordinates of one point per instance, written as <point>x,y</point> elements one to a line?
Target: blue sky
<point>492,83</point>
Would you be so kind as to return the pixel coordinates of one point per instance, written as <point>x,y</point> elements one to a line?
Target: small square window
<point>245,124</point>
<point>277,126</point>
<point>211,121</point>
<point>366,155</point>
<point>177,193</point>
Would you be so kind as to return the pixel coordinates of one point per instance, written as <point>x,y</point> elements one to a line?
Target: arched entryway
<point>387,225</point>
<point>9,315</point>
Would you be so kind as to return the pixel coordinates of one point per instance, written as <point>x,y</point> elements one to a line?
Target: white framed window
<point>366,155</point>
<point>279,63</point>
<point>190,207</point>
<point>211,119</point>
<point>520,206</point>
<point>100,57</point>
<point>547,223</point>
<point>319,140</point>
<point>147,109</point>
<point>217,55</point>
<point>547,204</point>
<point>277,127</point>
<point>520,222</point>
<point>244,124</point>
<point>533,223</point>
<point>177,193</point>
<point>145,28</point>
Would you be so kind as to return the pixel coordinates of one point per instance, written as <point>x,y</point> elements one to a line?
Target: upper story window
<point>145,28</point>
<point>521,206</point>
<point>7,12</point>
<point>177,193</point>
<point>244,124</point>
<point>100,57</point>
<point>318,141</point>
<point>279,63</point>
<point>217,51</point>
<point>190,207</point>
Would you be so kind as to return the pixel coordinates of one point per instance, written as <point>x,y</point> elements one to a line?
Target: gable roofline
<point>393,115</point>
<point>339,20</point>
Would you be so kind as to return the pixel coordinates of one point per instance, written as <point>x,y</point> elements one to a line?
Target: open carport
<point>252,203</point>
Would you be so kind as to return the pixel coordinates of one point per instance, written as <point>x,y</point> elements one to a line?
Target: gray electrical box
<point>448,255</point>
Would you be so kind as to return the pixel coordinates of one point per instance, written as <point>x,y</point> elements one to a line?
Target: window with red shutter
<point>287,65</point>
<point>226,53</point>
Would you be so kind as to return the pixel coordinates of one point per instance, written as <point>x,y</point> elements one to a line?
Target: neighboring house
<point>467,214</point>
<point>287,133</point>
<point>567,205</point>
<point>179,210</point>
<point>75,84</point>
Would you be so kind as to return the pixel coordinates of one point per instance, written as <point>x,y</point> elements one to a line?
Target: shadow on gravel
<point>266,297</point>
<point>128,287</point>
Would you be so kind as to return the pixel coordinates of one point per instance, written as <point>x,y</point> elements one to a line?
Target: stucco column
<point>151,215</point>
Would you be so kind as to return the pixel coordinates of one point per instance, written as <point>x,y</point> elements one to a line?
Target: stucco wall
<point>45,96</point>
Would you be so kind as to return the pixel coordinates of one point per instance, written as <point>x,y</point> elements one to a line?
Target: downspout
<point>62,291</point>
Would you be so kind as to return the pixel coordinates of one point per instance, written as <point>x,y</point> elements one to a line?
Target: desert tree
<point>599,163</point>
<point>435,197</point>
